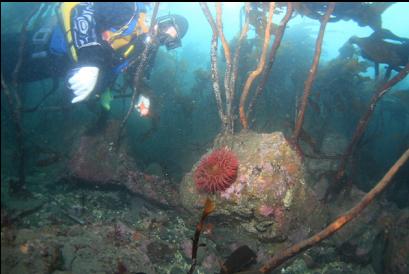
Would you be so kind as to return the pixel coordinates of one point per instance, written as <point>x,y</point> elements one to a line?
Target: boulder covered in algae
<point>270,198</point>
<point>74,249</point>
<point>95,160</point>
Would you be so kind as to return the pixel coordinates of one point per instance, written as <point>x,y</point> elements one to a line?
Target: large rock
<point>378,236</point>
<point>269,198</point>
<point>75,249</point>
<point>397,248</point>
<point>321,171</point>
<point>95,160</point>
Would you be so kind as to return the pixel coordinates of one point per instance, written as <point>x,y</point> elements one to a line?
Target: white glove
<point>83,82</point>
<point>142,106</point>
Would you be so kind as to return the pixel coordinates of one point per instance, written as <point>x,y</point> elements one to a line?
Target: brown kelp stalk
<point>228,72</point>
<point>213,63</point>
<point>14,102</point>
<point>15,107</point>
<point>230,75</point>
<point>139,72</point>
<point>235,68</point>
<point>342,220</point>
<point>363,122</point>
<point>311,75</point>
<point>209,207</point>
<point>274,48</point>
<point>42,100</point>
<point>254,74</point>
<point>226,49</point>
<point>23,40</point>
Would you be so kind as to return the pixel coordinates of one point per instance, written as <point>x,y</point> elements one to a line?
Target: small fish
<point>48,160</point>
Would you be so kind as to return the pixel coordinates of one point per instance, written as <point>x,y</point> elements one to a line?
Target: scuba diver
<point>90,44</point>
<point>258,12</point>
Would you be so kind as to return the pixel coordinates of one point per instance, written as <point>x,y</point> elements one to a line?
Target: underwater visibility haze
<point>148,137</point>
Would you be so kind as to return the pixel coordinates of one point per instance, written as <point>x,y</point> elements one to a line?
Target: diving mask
<point>168,32</point>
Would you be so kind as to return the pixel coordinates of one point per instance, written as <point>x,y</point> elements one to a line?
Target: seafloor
<point>61,226</point>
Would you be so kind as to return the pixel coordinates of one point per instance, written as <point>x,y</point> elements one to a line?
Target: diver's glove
<point>143,105</point>
<point>82,82</point>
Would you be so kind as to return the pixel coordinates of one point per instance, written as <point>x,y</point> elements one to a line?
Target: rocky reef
<point>270,198</point>
<point>269,207</point>
<point>95,160</point>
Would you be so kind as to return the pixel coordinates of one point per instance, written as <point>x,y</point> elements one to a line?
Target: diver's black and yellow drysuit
<point>109,35</point>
